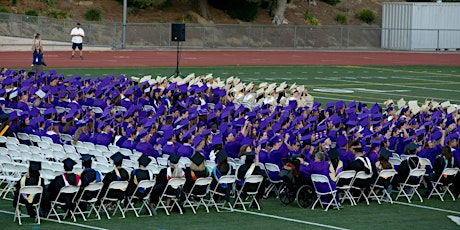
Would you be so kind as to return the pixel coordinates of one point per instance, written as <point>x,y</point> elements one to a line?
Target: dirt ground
<point>182,12</point>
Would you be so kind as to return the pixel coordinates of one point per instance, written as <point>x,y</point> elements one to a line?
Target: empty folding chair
<point>47,139</point>
<point>12,140</point>
<point>273,175</point>
<point>115,185</point>
<point>89,145</point>
<point>250,188</point>
<point>12,174</point>
<point>411,185</point>
<point>66,138</point>
<point>101,148</point>
<point>113,148</point>
<point>344,182</point>
<point>320,182</point>
<point>24,138</point>
<point>442,183</point>
<point>146,187</point>
<point>385,176</point>
<point>44,145</point>
<point>69,190</point>
<point>35,139</point>
<point>89,196</point>
<point>126,152</point>
<point>162,162</point>
<point>173,185</point>
<point>70,149</point>
<point>29,191</point>
<point>199,191</point>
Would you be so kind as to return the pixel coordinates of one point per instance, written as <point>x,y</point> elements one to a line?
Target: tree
<point>201,7</point>
<point>279,18</point>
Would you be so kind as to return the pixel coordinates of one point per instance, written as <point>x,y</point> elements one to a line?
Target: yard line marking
<point>341,99</point>
<point>62,222</point>
<point>289,219</point>
<point>403,71</point>
<point>393,85</point>
<point>430,80</point>
<point>427,207</point>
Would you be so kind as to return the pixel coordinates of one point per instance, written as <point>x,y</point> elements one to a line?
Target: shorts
<point>79,45</point>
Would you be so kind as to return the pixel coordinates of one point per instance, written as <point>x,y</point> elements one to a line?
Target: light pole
<point>123,31</point>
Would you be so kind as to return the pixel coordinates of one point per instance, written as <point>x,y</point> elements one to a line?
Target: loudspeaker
<point>178,32</point>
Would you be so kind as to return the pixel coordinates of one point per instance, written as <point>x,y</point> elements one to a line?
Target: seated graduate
<point>118,174</point>
<point>221,169</point>
<point>443,161</point>
<point>67,178</point>
<point>383,164</point>
<point>166,174</point>
<point>251,167</point>
<point>31,178</point>
<point>318,166</point>
<point>335,164</point>
<point>412,162</point>
<point>88,176</point>
<point>361,163</point>
<point>138,175</point>
<point>197,169</point>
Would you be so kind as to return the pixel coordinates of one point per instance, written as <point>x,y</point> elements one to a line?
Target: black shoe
<point>44,64</point>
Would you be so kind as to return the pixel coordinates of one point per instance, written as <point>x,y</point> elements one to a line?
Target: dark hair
<point>384,163</point>
<point>447,154</point>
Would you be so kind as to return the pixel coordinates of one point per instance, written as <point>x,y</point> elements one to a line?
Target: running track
<point>59,59</point>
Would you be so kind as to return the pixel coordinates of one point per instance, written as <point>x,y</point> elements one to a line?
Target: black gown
<point>109,178</point>
<point>87,177</point>
<point>359,166</point>
<point>55,186</point>
<point>29,181</point>
<point>257,171</point>
<point>140,175</point>
<point>190,180</point>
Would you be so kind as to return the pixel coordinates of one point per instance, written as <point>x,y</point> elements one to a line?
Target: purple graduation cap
<point>335,119</point>
<point>216,139</point>
<point>341,140</point>
<point>196,140</point>
<point>376,108</point>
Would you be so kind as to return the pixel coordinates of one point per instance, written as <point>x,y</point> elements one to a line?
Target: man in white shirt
<point>77,34</point>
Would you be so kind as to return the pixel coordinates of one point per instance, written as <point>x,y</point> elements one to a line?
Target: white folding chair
<point>254,180</point>
<point>395,161</point>
<point>162,162</point>
<point>185,160</point>
<point>344,182</point>
<point>101,148</point>
<point>438,185</point>
<point>82,149</point>
<point>228,180</point>
<point>174,183</point>
<point>32,191</point>
<point>66,138</point>
<point>47,174</point>
<point>35,139</point>
<point>65,191</point>
<point>44,145</point>
<point>47,139</point>
<point>321,179</point>
<point>147,186</point>
<point>386,174</point>
<point>12,140</point>
<point>126,152</point>
<point>204,182</point>
<point>89,145</point>
<point>104,168</point>
<point>272,171</point>
<point>418,175</point>
<point>113,148</point>
<point>70,149</point>
<point>361,175</point>
<point>24,137</point>
<point>115,185</point>
<point>12,174</point>
<point>89,195</point>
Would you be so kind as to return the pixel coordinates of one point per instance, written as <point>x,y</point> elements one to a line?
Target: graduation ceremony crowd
<point>208,119</point>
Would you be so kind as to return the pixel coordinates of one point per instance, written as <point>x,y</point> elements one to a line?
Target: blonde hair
<point>176,171</point>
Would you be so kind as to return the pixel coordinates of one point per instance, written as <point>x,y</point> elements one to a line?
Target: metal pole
<point>123,33</point>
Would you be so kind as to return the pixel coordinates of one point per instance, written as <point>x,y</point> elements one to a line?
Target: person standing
<point>37,55</point>
<point>77,34</point>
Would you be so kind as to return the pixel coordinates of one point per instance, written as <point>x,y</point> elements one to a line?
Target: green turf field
<point>273,215</point>
<point>328,83</point>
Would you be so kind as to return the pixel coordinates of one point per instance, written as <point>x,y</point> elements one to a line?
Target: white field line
<point>421,79</point>
<point>289,219</point>
<point>427,207</point>
<point>342,99</point>
<point>392,85</point>
<point>398,94</point>
<point>62,222</point>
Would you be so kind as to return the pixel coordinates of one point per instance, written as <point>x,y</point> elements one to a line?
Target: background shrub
<point>331,2</point>
<point>366,16</point>
<point>93,14</point>
<point>31,13</point>
<point>311,20</point>
<point>341,19</point>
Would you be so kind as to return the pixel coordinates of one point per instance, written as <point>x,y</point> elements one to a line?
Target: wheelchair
<point>294,188</point>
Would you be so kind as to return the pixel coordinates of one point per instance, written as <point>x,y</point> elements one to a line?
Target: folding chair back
<point>344,182</point>
<point>438,184</point>
<point>174,183</point>
<point>395,162</point>
<point>255,180</point>
<point>114,185</point>
<point>318,179</point>
<point>94,189</point>
<point>412,187</point>
<point>147,185</point>
<point>204,182</point>
<point>273,175</point>
<point>66,190</point>
<point>386,174</point>
<point>29,190</point>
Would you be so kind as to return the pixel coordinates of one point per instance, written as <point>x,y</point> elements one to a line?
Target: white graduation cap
<point>401,103</point>
<point>230,80</point>
<point>388,102</point>
<point>249,86</point>
<point>135,79</point>
<point>263,85</point>
<point>260,92</point>
<point>40,93</point>
<point>13,94</point>
<point>445,104</point>
<point>451,109</point>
